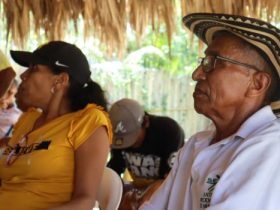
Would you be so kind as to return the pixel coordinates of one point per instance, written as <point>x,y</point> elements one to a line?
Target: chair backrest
<point>110,192</point>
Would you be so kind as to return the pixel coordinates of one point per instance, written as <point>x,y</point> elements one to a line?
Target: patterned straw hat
<point>262,35</point>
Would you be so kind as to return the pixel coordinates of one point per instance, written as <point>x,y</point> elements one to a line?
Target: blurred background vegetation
<point>150,71</point>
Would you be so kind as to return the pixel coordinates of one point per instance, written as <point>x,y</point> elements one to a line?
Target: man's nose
<point>198,74</point>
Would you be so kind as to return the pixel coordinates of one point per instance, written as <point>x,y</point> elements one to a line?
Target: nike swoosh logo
<point>61,64</point>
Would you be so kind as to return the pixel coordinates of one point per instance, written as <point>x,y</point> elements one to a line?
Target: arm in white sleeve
<point>252,179</point>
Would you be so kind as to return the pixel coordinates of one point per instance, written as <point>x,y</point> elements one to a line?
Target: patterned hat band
<point>260,34</point>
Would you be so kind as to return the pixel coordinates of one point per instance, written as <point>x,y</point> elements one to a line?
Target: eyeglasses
<point>208,63</point>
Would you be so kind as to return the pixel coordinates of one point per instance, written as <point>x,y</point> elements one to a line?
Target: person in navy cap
<point>143,144</point>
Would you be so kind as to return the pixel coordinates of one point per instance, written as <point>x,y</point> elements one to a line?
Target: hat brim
<point>262,35</point>
<point>125,141</point>
<point>25,58</point>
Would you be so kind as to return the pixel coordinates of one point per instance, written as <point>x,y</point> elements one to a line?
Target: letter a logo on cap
<point>120,128</point>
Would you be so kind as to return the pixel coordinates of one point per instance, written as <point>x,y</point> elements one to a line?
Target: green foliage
<point>137,73</point>
<point>179,58</point>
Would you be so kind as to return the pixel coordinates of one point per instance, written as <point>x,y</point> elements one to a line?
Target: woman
<point>56,156</point>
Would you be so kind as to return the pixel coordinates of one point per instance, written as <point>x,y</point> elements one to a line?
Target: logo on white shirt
<point>210,184</point>
<point>120,128</point>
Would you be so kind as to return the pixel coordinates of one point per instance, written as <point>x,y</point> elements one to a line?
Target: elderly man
<point>235,167</point>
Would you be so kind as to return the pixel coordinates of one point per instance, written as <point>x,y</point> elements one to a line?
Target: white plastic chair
<point>110,192</point>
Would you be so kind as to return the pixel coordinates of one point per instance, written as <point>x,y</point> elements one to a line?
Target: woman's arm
<point>90,160</point>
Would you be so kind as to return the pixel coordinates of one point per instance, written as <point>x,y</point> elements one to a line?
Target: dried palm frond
<point>268,10</point>
<point>265,9</point>
<point>108,20</point>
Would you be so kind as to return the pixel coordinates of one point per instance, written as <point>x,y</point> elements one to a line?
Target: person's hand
<point>134,197</point>
<point>147,194</point>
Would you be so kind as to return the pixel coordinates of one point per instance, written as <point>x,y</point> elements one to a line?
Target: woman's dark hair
<point>82,95</point>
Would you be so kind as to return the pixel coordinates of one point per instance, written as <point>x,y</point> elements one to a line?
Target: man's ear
<point>260,83</point>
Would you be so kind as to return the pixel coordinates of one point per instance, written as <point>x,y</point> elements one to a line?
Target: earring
<point>52,90</point>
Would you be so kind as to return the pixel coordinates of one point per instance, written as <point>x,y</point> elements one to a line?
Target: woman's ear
<point>61,80</point>
<point>260,84</point>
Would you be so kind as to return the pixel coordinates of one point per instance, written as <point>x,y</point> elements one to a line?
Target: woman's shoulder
<point>86,121</point>
<point>92,115</point>
<point>92,111</point>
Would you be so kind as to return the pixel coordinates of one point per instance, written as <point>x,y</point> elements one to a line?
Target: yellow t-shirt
<point>42,175</point>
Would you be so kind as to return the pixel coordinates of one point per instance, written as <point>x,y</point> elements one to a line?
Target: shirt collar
<point>260,118</point>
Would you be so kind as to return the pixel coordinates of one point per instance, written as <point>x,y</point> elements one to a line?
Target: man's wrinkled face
<point>224,87</point>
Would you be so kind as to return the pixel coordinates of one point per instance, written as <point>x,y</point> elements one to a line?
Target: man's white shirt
<point>241,172</point>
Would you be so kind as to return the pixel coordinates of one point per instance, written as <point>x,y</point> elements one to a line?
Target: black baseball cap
<point>59,55</point>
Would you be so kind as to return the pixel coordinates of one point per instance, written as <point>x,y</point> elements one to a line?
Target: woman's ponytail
<point>91,92</point>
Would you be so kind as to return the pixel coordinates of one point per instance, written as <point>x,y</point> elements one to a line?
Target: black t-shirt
<point>154,158</point>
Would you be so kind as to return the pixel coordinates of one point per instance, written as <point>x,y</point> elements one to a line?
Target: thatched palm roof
<point>107,20</point>
<point>268,10</point>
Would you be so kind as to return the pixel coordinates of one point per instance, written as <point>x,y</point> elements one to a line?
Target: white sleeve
<point>252,179</point>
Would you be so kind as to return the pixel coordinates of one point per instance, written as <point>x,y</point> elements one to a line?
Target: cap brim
<point>125,141</point>
<point>25,58</point>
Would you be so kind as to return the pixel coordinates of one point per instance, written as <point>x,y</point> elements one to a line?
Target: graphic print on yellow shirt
<point>42,175</point>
